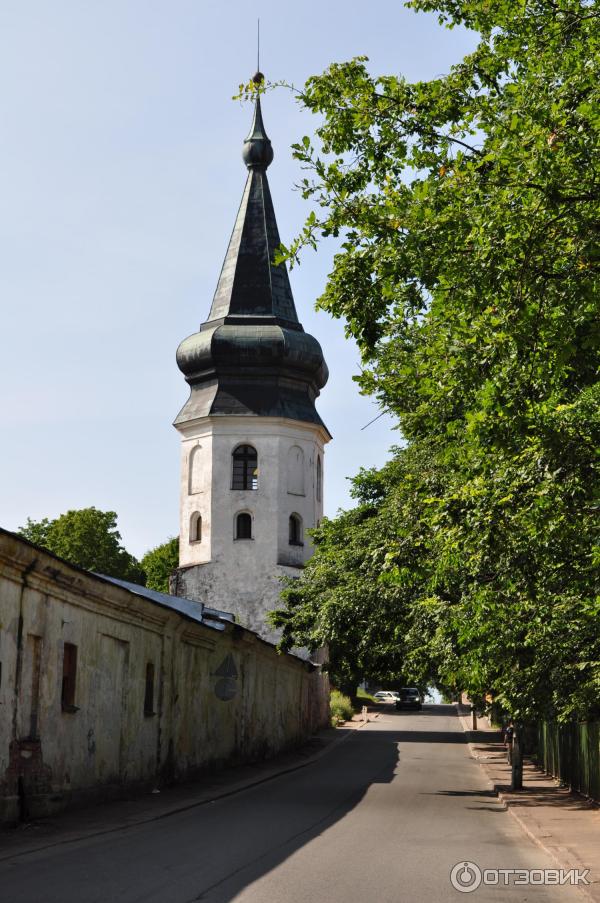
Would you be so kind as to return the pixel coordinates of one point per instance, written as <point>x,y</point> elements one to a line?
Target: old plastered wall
<point>219,696</point>
<point>244,576</point>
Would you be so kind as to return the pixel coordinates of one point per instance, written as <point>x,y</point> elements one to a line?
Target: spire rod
<point>257,152</point>
<point>258,45</point>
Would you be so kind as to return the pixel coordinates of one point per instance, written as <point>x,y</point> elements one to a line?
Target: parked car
<point>409,698</point>
<point>386,696</point>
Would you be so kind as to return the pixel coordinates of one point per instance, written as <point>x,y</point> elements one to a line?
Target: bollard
<point>365,717</point>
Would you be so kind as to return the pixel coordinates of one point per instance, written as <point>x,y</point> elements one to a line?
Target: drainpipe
<point>22,800</point>
<point>19,663</point>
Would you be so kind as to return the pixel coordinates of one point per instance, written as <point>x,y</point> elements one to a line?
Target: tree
<point>159,563</point>
<point>469,274</point>
<point>365,592</point>
<point>88,538</point>
<point>350,598</point>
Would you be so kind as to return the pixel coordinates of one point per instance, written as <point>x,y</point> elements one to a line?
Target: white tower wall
<point>243,575</point>
<point>254,376</point>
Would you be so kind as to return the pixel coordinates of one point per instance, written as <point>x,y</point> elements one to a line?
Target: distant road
<point>383,817</point>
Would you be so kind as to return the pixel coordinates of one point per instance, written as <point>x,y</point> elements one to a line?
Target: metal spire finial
<point>257,152</point>
<point>258,78</point>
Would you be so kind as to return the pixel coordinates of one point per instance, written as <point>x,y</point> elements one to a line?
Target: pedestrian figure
<point>508,732</point>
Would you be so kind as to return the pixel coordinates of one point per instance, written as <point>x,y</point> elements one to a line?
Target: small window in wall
<point>149,692</point>
<point>319,479</point>
<point>69,677</point>
<point>194,470</point>
<point>195,527</point>
<point>243,526</point>
<point>296,530</point>
<point>244,473</point>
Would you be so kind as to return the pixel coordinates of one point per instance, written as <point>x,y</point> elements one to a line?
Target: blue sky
<point>120,178</point>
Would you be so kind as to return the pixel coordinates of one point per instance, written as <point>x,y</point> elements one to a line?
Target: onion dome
<point>252,356</point>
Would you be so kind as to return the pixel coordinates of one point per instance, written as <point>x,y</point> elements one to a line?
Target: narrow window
<point>69,677</point>
<point>319,478</point>
<point>35,648</point>
<point>243,526</point>
<point>149,693</point>
<point>245,468</point>
<point>195,527</point>
<point>296,530</point>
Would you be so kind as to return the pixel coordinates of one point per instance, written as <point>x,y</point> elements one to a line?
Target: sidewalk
<point>77,824</point>
<point>564,824</point>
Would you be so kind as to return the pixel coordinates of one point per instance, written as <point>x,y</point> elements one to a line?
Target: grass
<point>340,707</point>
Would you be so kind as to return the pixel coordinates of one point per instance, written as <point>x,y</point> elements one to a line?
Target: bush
<point>340,707</point>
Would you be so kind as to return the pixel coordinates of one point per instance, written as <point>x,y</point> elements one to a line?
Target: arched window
<point>295,470</point>
<point>194,471</point>
<point>319,479</point>
<point>243,526</point>
<point>244,473</point>
<point>195,527</point>
<point>296,530</point>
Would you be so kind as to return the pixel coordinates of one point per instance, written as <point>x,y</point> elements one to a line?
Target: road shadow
<point>409,736</point>
<point>212,852</point>
<point>484,738</point>
<point>376,751</point>
<point>539,788</point>
<point>548,796</point>
<point>477,793</point>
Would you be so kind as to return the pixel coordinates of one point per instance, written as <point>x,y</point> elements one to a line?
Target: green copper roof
<point>252,357</point>
<point>250,283</point>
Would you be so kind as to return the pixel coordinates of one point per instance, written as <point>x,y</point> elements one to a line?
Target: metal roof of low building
<point>196,611</point>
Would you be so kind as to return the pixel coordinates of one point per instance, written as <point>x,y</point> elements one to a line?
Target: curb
<point>538,842</point>
<point>507,805</point>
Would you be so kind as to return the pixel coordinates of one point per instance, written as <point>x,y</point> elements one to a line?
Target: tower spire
<point>251,284</point>
<point>252,438</point>
<point>252,355</point>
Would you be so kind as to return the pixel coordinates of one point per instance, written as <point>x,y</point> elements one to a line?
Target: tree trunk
<point>473,717</point>
<point>517,758</point>
<point>348,688</point>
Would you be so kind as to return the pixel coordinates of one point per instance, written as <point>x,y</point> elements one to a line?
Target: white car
<point>386,696</point>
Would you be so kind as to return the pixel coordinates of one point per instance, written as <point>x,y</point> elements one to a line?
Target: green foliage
<point>88,538</point>
<point>469,274</point>
<point>340,707</point>
<point>159,563</point>
<point>363,698</point>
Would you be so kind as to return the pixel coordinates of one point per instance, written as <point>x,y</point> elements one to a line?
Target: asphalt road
<point>383,816</point>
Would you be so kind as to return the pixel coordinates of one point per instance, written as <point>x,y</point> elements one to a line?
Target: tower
<point>252,440</point>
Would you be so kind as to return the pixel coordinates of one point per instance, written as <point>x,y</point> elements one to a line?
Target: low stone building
<point>108,687</point>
